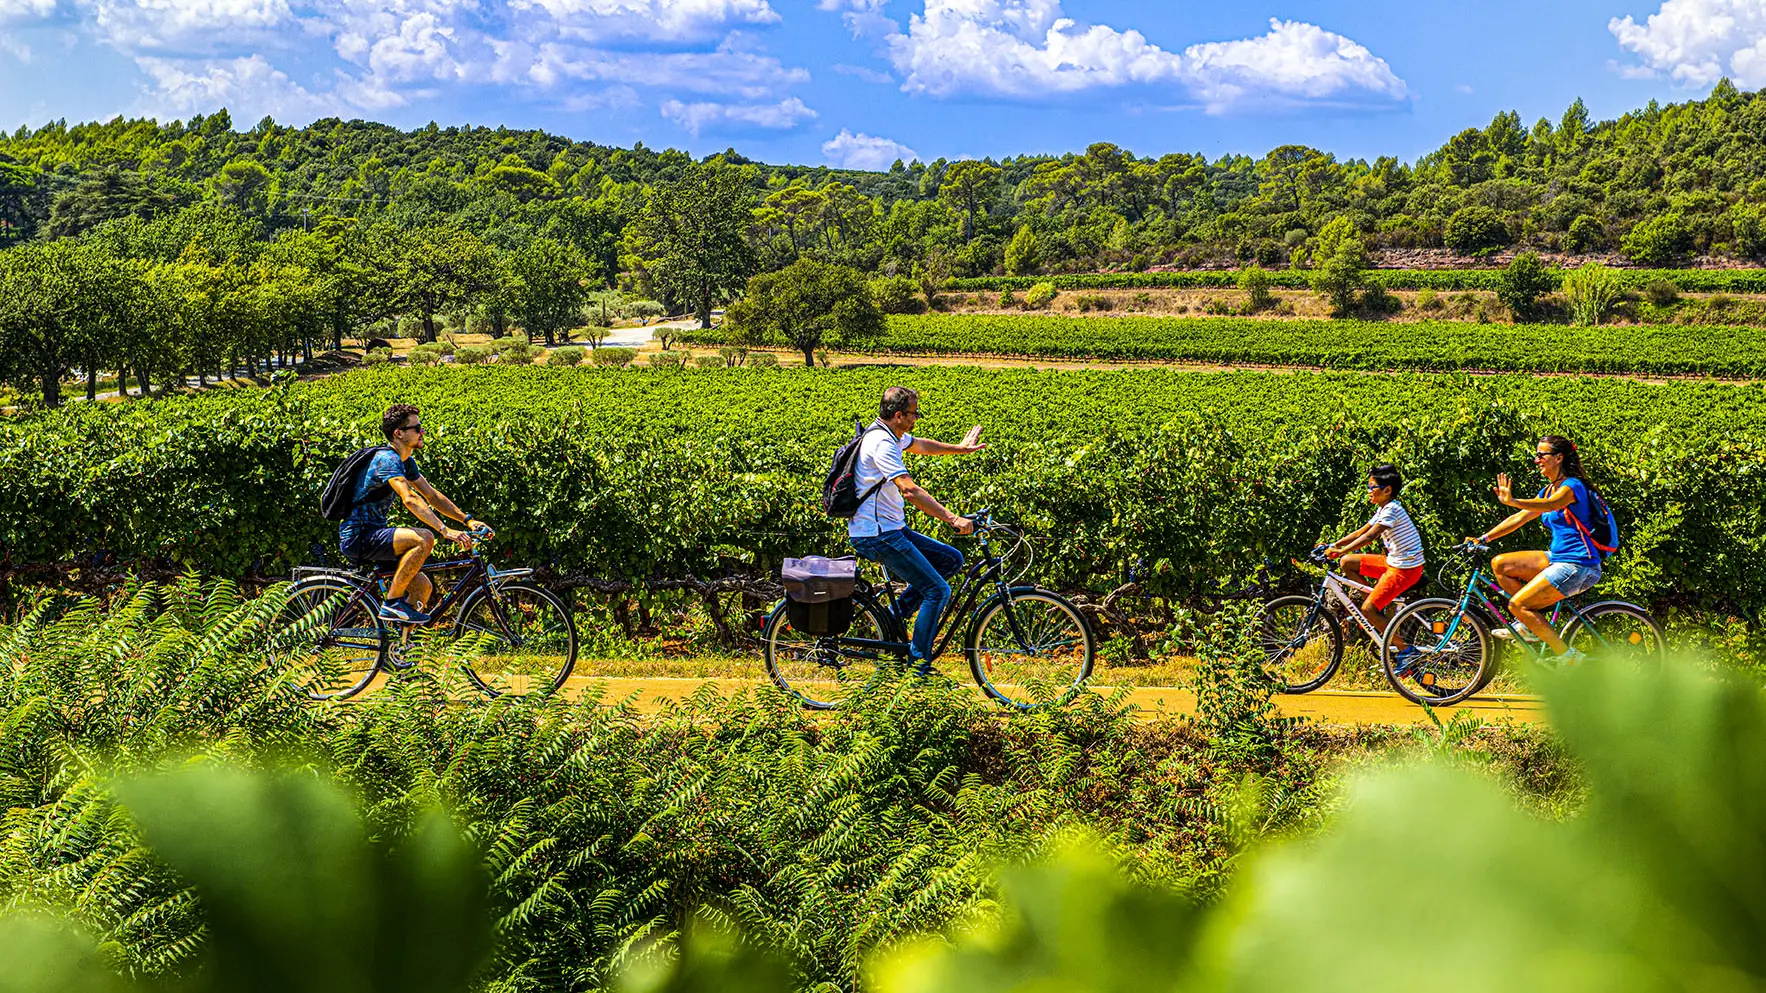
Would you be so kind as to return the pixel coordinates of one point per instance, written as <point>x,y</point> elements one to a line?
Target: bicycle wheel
<point>526,639</point>
<point>819,670</point>
<point>1618,631</point>
<point>331,637</point>
<point>1034,650</point>
<point>1302,643</point>
<point>1458,656</point>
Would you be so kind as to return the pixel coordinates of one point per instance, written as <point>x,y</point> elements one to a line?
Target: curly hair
<point>394,418</point>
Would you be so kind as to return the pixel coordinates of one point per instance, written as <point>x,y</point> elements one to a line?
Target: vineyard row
<point>1688,280</point>
<point>1180,478</point>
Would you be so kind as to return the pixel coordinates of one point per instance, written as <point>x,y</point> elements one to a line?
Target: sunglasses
<point>1542,456</point>
<point>413,427</point>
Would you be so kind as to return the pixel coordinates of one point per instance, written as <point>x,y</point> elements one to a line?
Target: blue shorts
<point>1571,579</point>
<point>369,545</point>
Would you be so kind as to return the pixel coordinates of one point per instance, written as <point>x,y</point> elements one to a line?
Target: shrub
<point>1087,304</point>
<point>763,360</point>
<point>1662,293</point>
<point>1341,265</point>
<point>1591,291</point>
<point>897,295</point>
<point>568,355</point>
<point>1139,263</point>
<point>1040,296</point>
<point>732,355</point>
<point>425,355</point>
<point>1475,231</point>
<point>1007,300</point>
<point>519,353</point>
<point>472,355</point>
<point>377,356</point>
<point>1378,300</point>
<point>1216,307</point>
<point>643,309</point>
<point>1658,241</point>
<point>617,358</point>
<point>708,361</point>
<point>668,360</point>
<point>1520,285</point>
<point>1428,300</point>
<point>1255,282</point>
<point>446,345</point>
<point>1142,301</point>
<point>1585,235</point>
<point>1749,224</point>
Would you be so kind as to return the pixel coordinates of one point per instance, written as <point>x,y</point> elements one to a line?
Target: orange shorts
<point>1389,582</point>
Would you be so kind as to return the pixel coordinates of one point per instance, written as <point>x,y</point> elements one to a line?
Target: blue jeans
<point>924,563</point>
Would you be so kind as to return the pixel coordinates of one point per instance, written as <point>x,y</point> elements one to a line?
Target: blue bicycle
<point>1459,639</point>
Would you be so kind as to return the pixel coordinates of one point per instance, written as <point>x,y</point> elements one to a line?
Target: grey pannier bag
<point>818,593</point>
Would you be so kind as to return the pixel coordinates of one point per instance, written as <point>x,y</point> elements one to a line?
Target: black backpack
<point>840,495</point>
<point>338,498</point>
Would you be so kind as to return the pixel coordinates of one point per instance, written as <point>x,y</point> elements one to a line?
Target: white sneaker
<point>1506,633</point>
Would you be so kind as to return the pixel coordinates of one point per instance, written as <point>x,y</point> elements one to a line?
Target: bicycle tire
<point>337,657</point>
<point>1283,640</point>
<point>815,669</point>
<point>1044,672</point>
<point>1629,644</point>
<point>536,622</point>
<point>1459,660</point>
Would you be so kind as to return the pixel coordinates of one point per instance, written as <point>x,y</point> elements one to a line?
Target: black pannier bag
<point>818,593</point>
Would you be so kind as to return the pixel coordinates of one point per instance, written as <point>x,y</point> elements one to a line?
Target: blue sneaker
<point>1405,660</point>
<point>400,611</point>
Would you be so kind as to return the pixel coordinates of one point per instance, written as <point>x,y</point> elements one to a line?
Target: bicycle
<point>332,629</point>
<point>1302,634</point>
<point>1027,646</point>
<point>1458,643</point>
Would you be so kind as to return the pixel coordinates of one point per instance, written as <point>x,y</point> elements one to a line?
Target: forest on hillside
<point>1661,185</point>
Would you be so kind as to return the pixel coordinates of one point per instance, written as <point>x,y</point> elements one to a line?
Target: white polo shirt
<point>880,461</point>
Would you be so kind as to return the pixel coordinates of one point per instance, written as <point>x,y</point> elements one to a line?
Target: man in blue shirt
<point>365,536</point>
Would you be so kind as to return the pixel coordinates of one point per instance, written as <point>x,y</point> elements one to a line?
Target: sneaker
<point>1405,660</point>
<point>1570,657</point>
<point>400,611</point>
<point>1506,633</point>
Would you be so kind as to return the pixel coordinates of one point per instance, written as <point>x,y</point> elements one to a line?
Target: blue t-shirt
<point>370,515</point>
<point>1568,543</point>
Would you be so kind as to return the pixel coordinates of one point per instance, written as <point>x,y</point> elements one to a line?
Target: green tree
<point>1659,241</point>
<point>1520,285</point>
<point>1255,282</point>
<point>437,269</point>
<point>1475,230</point>
<point>1341,263</point>
<point>808,305</point>
<point>932,274</point>
<point>966,186</point>
<point>56,312</point>
<point>690,236</point>
<point>546,288</point>
<point>1023,254</point>
<point>246,185</point>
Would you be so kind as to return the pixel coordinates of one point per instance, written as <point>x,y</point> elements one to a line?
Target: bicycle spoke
<point>524,640</point>
<point>1034,650</point>
<point>820,670</point>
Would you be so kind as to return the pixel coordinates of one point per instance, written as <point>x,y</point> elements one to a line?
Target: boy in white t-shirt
<point>1397,570</point>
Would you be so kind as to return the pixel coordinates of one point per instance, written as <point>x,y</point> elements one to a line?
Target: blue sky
<point>858,82</point>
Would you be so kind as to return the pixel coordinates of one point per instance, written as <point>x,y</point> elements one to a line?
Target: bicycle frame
<point>964,598</point>
<point>1476,584</point>
<point>480,574</point>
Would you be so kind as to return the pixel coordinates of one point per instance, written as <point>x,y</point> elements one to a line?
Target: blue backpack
<point>1603,531</point>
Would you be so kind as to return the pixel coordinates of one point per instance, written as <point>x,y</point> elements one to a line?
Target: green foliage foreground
<point>1429,879</point>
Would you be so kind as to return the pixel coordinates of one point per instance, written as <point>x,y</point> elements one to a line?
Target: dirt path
<point>1331,706</point>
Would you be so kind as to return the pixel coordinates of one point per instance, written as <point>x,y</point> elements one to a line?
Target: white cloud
<point>25,10</point>
<point>865,73</point>
<point>1294,61</point>
<point>664,20</point>
<point>250,87</point>
<point>185,24</point>
<point>697,117</point>
<point>863,151</point>
<point>17,49</point>
<point>1697,42</point>
<point>1028,49</point>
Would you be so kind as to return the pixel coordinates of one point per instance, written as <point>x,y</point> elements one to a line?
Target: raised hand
<point>1504,490</point>
<point>972,441</point>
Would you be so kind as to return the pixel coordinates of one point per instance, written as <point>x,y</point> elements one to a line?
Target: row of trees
<point>1659,185</point>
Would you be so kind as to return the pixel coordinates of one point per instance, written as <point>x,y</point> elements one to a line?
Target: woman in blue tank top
<point>1536,580</point>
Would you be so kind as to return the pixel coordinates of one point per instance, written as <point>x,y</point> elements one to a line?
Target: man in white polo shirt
<point>879,530</point>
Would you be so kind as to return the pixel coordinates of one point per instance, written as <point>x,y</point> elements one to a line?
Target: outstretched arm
<point>913,493</point>
<point>970,444</point>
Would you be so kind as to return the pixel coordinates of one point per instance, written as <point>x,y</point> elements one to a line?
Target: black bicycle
<point>522,637</point>
<point>1027,646</point>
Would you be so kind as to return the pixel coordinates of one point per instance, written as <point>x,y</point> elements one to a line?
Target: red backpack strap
<point>1587,534</point>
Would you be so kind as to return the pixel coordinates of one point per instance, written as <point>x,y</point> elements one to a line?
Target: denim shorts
<point>1571,579</point>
